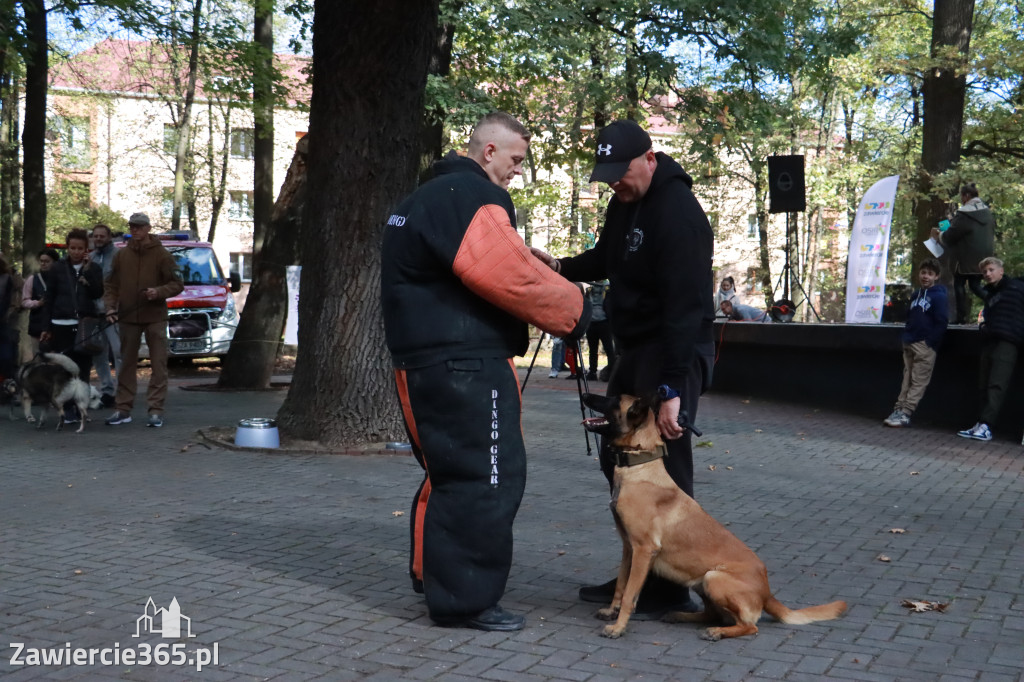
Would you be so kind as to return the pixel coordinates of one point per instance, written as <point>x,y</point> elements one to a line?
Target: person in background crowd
<point>72,284</point>
<point>970,238</point>
<point>743,313</point>
<point>600,330</point>
<point>33,299</point>
<point>922,335</point>
<point>143,276</point>
<point>726,292</point>
<point>1002,332</point>
<point>103,256</point>
<point>10,304</point>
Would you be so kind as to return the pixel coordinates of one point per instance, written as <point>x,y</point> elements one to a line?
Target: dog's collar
<point>631,458</point>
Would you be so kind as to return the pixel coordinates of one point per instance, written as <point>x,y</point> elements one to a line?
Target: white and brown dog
<point>52,379</point>
<point>663,529</point>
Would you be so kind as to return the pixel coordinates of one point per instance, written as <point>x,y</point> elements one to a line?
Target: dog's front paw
<point>612,631</point>
<point>711,635</point>
<point>610,613</point>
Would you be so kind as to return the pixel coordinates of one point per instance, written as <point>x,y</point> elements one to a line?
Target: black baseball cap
<point>618,144</point>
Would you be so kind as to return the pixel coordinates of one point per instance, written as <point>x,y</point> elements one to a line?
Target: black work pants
<point>963,301</point>
<point>995,372</point>
<point>463,419</point>
<point>600,332</point>
<point>638,372</point>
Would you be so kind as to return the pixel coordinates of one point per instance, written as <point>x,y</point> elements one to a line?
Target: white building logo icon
<point>164,622</point>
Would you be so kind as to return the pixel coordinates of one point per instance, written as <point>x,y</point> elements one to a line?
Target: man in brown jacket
<point>144,275</point>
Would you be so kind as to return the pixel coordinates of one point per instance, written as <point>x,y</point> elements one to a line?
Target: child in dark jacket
<point>926,324</point>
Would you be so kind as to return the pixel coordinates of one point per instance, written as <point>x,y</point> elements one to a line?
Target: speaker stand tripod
<point>787,273</point>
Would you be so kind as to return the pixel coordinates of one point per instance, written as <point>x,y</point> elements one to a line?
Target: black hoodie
<point>656,253</point>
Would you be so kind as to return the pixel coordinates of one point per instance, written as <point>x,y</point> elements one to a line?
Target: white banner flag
<point>291,325</point>
<point>869,253</point>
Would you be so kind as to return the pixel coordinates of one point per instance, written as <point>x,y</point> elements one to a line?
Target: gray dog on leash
<point>52,379</point>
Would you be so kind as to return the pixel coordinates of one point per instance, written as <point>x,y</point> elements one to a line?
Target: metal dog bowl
<point>257,432</point>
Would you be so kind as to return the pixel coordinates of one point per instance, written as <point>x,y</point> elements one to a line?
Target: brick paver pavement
<point>295,566</point>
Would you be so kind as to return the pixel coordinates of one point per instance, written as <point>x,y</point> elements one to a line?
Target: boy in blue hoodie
<point>926,324</point>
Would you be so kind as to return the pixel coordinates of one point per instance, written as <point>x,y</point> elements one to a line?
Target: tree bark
<point>432,143</point>
<point>33,137</point>
<point>369,73</point>
<point>263,131</point>
<point>250,360</point>
<point>185,124</point>
<point>943,93</point>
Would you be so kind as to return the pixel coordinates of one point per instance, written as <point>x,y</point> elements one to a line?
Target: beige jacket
<point>140,265</point>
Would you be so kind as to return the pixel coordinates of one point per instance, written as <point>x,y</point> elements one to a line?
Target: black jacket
<point>657,255</point>
<point>67,298</point>
<point>458,282</point>
<point>1004,310</point>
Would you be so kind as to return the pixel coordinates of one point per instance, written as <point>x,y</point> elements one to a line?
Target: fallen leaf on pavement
<point>757,430</point>
<point>398,513</point>
<point>711,467</point>
<point>704,444</point>
<point>922,606</point>
<point>882,557</point>
<point>897,531</point>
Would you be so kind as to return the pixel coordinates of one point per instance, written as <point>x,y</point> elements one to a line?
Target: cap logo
<point>604,149</point>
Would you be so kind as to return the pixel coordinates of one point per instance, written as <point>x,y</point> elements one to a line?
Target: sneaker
<point>107,400</point>
<point>592,375</point>
<point>71,420</point>
<point>966,433</point>
<point>981,432</point>
<point>553,374</point>
<point>898,419</point>
<point>118,418</point>
<point>155,421</point>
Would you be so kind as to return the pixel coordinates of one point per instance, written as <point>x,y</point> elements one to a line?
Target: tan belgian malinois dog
<point>664,529</point>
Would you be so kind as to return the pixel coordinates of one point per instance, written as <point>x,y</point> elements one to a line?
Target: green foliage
<point>68,207</point>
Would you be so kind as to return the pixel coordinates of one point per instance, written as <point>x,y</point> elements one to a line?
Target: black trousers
<point>600,332</point>
<point>963,302</point>
<point>638,372</point>
<point>463,419</point>
<point>995,373</point>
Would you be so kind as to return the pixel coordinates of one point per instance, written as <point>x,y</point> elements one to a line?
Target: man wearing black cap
<point>655,248</point>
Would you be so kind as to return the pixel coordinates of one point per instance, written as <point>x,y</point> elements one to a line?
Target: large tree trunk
<point>369,72</point>
<point>943,91</point>
<point>263,132</point>
<point>250,361</point>
<point>432,142</point>
<point>10,182</point>
<point>33,138</point>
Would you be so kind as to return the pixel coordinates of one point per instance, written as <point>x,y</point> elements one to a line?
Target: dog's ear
<point>637,413</point>
<point>598,403</point>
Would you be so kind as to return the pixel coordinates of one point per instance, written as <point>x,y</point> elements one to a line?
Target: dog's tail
<point>64,361</point>
<point>811,614</point>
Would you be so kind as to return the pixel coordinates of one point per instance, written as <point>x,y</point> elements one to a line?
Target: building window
<point>752,232</point>
<point>754,285</point>
<point>241,205</point>
<point>72,135</point>
<point>242,143</point>
<point>170,139</point>
<point>242,264</point>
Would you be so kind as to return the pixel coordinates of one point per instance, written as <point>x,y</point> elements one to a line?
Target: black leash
<point>581,388</point>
